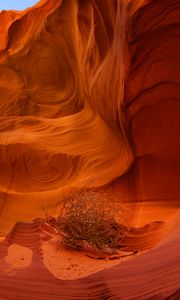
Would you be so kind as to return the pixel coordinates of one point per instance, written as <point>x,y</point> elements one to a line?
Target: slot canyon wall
<point>89,96</point>
<point>79,79</point>
<point>63,67</point>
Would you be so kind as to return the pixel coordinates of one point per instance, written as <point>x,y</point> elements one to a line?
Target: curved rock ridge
<point>32,234</point>
<point>148,275</point>
<point>29,235</point>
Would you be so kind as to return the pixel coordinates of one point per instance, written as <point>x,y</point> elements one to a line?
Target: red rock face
<point>152,100</point>
<point>89,96</point>
<point>63,66</point>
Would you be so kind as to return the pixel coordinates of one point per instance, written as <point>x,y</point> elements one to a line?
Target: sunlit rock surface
<point>90,97</point>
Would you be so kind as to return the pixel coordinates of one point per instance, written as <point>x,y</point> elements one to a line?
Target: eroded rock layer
<point>63,67</point>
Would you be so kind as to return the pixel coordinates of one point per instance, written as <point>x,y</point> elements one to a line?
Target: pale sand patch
<point>19,256</point>
<point>68,265</point>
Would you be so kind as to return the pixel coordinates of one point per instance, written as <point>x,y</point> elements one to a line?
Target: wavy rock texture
<point>90,96</point>
<point>153,275</point>
<point>60,113</point>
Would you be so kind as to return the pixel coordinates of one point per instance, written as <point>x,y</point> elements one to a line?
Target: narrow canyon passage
<point>90,97</point>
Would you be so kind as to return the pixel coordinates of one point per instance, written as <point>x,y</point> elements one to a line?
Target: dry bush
<point>91,219</point>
